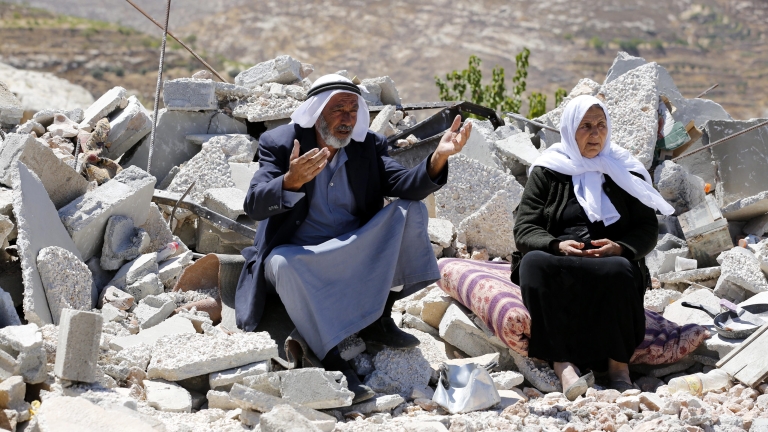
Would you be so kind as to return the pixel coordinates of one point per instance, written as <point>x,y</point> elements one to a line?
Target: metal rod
<point>175,206</point>
<point>200,59</point>
<point>169,199</point>
<point>707,90</point>
<point>535,123</point>
<point>720,141</point>
<point>159,84</point>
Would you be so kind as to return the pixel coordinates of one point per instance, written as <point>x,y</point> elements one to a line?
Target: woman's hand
<point>606,248</point>
<point>571,248</point>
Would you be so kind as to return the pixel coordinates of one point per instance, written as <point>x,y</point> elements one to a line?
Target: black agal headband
<point>338,85</point>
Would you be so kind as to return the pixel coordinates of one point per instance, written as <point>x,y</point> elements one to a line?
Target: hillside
<point>715,41</point>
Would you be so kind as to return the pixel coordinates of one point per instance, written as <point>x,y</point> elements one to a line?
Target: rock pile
<point>110,337</point>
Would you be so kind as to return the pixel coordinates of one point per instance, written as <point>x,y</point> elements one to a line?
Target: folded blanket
<point>485,288</point>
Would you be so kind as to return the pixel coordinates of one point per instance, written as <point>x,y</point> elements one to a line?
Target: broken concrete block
<point>491,226</point>
<point>67,281</point>
<point>441,232</point>
<point>697,275</point>
<point>242,174</point>
<point>126,128</point>
<point>128,194</point>
<point>122,242</point>
<point>470,185</point>
<point>78,348</point>
<point>742,268</point>
<point>747,208</point>
<point>414,322</point>
<point>516,150</point>
<point>63,127</point>
<point>221,400</point>
<point>683,264</point>
<point>351,347</point>
<point>434,306</point>
<point>147,285</point>
<point>189,94</point>
<point>632,101</point>
<point>384,403</point>
<point>660,262</point>
<point>458,330</point>
<point>227,202</point>
<point>172,326</point>
<point>315,388</point>
<point>681,189</point>
<point>39,226</point>
<point>12,392</point>
<point>253,400</point>
<point>8,315</point>
<point>171,146</point>
<point>380,123</point>
<point>45,117</point>
<point>208,169</point>
<point>224,380</point>
<point>104,106</point>
<point>157,228</point>
<point>506,380</point>
<point>389,94</point>
<point>282,69</point>
<point>152,310</point>
<point>167,396</point>
<point>169,271</point>
<point>182,356</point>
<point>238,148</point>
<point>65,413</point>
<point>116,297</point>
<point>285,418</point>
<point>30,126</point>
<point>135,270</point>
<point>676,313</point>
<point>480,144</point>
<point>740,162</point>
<point>61,182</point>
<point>11,110</point>
<point>111,313</point>
<point>656,300</point>
<point>22,353</point>
<point>265,109</point>
<point>405,369</point>
<point>266,383</point>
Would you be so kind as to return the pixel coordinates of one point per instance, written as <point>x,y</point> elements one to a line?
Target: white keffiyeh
<point>587,174</point>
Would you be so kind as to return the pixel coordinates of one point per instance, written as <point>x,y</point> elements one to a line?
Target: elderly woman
<point>585,223</point>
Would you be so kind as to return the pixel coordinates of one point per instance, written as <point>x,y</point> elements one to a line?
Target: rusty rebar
<point>200,59</point>
<point>707,90</point>
<point>535,123</point>
<point>159,84</point>
<point>720,141</point>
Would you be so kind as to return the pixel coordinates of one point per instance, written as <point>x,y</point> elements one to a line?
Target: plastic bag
<point>466,388</point>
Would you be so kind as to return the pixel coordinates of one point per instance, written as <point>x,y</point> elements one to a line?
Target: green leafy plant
<point>560,94</point>
<point>494,95</point>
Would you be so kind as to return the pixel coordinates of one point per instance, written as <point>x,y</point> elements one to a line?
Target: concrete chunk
<point>224,380</point>
<point>517,147</point>
<point>127,194</point>
<point>696,275</point>
<point>480,144</point>
<point>66,413</point>
<point>315,388</point>
<point>208,169</point>
<point>39,227</point>
<point>470,185</point>
<point>152,310</point>
<point>282,69</point>
<point>12,393</point>
<point>381,124</point>
<point>491,227</point>
<point>67,281</point>
<point>681,189</point>
<point>253,400</point>
<point>285,418</point>
<point>78,348</point>
<point>242,174</point>
<point>747,208</point>
<point>632,101</point>
<point>506,380</point>
<point>756,226</point>
<point>22,353</point>
<point>126,128</point>
<point>676,313</point>
<point>122,242</point>
<point>225,201</point>
<point>189,94</point>
<point>389,94</point>
<point>184,356</point>
<point>656,300</point>
<point>105,105</point>
<point>11,110</point>
<point>61,182</point>
<point>172,326</point>
<point>706,231</point>
<point>221,400</point>
<point>378,404</point>
<point>238,148</point>
<point>441,232</point>
<point>63,127</point>
<point>458,330</point>
<point>742,268</point>
<point>168,396</point>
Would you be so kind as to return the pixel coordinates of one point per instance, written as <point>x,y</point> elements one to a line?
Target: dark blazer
<point>372,175</point>
<point>541,209</point>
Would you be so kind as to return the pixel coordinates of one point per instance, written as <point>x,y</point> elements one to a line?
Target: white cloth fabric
<point>306,115</point>
<point>587,174</point>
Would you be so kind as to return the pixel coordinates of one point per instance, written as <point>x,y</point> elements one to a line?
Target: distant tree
<point>494,95</point>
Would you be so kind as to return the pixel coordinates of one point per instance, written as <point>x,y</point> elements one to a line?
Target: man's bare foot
<point>618,371</point>
<point>567,372</point>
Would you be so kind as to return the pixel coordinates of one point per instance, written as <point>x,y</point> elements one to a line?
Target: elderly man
<point>336,256</point>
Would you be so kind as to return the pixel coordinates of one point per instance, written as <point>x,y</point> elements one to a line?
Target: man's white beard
<point>328,137</point>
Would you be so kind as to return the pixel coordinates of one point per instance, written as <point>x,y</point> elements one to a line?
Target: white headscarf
<point>306,115</point>
<point>587,174</point>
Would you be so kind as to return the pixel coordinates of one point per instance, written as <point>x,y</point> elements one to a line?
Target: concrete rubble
<point>95,329</point>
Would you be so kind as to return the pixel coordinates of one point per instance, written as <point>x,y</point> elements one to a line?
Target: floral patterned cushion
<point>485,288</point>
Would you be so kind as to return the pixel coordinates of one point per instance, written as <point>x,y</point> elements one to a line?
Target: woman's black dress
<point>583,310</point>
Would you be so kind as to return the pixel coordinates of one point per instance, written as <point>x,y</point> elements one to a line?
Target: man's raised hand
<point>451,143</point>
<point>305,167</point>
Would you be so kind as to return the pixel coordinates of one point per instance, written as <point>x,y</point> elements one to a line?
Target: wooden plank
<point>748,363</point>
